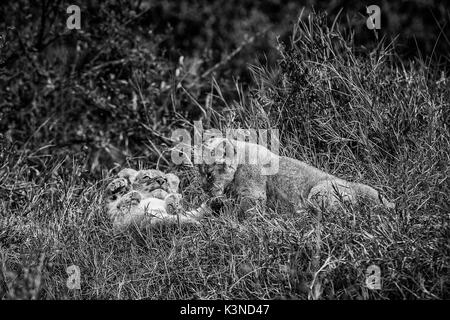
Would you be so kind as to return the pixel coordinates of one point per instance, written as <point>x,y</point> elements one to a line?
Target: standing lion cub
<point>293,182</point>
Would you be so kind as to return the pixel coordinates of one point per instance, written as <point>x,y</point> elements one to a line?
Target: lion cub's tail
<point>366,192</point>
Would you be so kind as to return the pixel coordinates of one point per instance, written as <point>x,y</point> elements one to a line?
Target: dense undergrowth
<point>72,115</point>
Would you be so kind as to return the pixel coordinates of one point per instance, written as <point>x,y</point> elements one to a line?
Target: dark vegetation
<point>75,106</point>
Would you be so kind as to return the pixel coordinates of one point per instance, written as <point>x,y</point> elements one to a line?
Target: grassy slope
<point>360,117</point>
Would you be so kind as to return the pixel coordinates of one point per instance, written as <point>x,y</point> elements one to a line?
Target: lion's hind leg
<point>331,194</point>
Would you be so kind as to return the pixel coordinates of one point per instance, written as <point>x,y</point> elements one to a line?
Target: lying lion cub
<point>144,199</point>
<point>294,182</point>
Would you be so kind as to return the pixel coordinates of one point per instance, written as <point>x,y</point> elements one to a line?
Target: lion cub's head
<point>150,183</point>
<point>155,184</point>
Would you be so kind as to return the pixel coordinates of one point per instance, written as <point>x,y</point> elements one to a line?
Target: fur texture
<point>293,182</point>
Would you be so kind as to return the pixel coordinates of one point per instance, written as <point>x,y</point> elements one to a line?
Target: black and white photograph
<point>224,155</point>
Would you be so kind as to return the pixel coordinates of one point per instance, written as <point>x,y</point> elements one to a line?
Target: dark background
<point>70,88</point>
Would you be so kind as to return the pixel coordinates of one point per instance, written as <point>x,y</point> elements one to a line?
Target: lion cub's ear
<point>173,182</point>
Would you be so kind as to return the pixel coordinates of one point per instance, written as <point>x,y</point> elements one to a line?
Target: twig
<point>232,54</point>
<point>40,36</point>
<point>315,283</point>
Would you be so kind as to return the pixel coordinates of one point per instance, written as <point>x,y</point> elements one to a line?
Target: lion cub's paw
<point>129,200</point>
<point>117,188</point>
<point>173,203</point>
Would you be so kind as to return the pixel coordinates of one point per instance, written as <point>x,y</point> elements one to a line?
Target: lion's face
<point>206,176</point>
<point>155,183</point>
<point>219,165</point>
<point>216,177</point>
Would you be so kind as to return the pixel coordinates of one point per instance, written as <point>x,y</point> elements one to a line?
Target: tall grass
<point>364,116</point>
